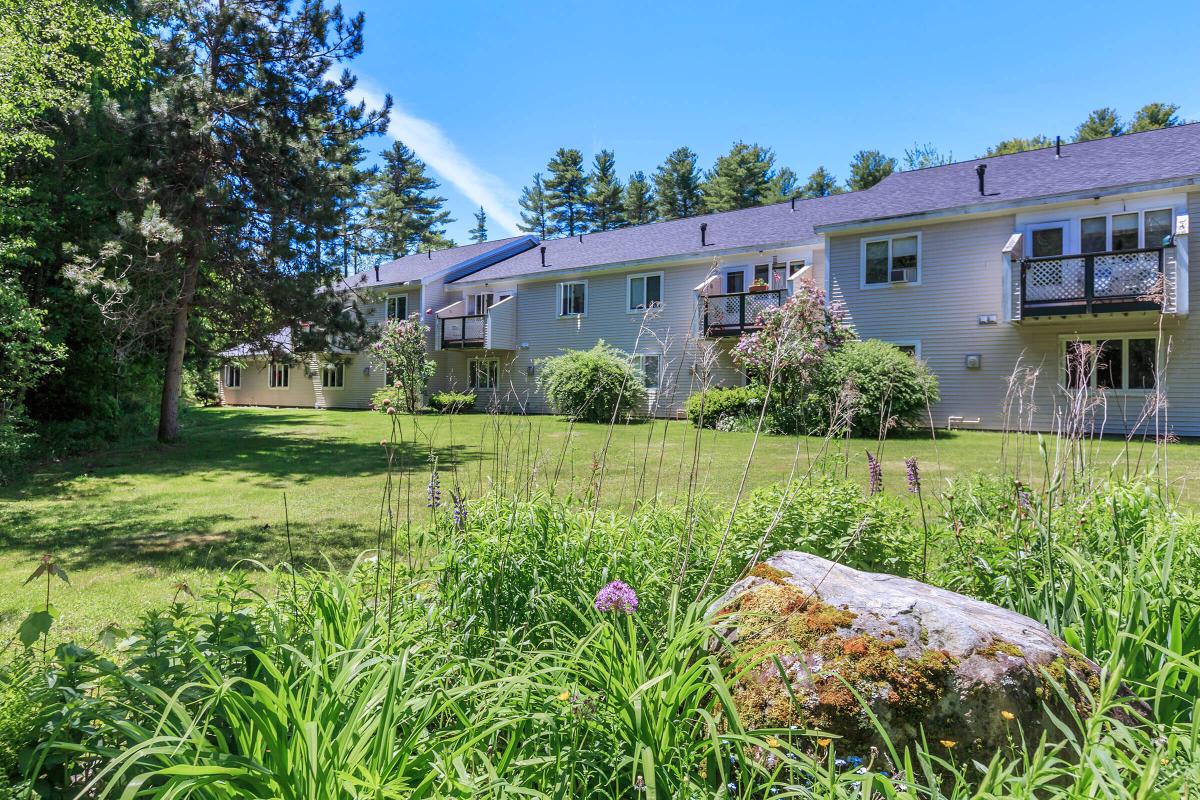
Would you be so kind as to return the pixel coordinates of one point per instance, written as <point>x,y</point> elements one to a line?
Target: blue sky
<point>485,91</point>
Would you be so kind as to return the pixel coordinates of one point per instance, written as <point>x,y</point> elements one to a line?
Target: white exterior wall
<point>962,278</point>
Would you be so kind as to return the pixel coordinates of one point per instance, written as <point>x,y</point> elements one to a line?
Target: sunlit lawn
<point>129,523</point>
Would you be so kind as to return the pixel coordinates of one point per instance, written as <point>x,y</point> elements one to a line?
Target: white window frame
<point>476,362</point>
<point>1097,338</point>
<point>559,296</point>
<point>1108,222</point>
<point>285,373</point>
<point>639,366</point>
<point>1068,230</point>
<point>339,375</point>
<point>234,371</point>
<point>862,260</point>
<point>473,302</point>
<point>629,279</point>
<point>389,302</point>
<point>914,343</point>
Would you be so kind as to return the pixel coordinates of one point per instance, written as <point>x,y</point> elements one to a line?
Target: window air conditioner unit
<point>906,275</point>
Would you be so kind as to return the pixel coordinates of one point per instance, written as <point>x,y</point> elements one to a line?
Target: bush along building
<point>1040,287</point>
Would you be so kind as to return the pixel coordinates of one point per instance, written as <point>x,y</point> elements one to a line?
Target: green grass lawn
<point>128,523</point>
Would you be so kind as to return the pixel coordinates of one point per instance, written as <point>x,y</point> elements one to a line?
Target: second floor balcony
<point>737,313</point>
<point>495,329</point>
<point>1090,283</point>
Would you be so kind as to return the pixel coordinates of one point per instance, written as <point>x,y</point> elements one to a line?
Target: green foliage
<point>405,216</point>
<point>878,385</point>
<point>638,205</point>
<point>1153,116</point>
<point>677,183</point>
<point>535,209</point>
<point>1019,145</point>
<point>820,184</point>
<point>597,385</point>
<point>21,705</point>
<point>925,155</point>
<point>27,355</point>
<point>479,233</point>
<point>741,178</point>
<point>453,402</point>
<point>1100,124</point>
<point>401,352</point>
<point>567,192</point>
<point>867,168</point>
<point>17,443</point>
<point>604,203</point>
<point>720,404</point>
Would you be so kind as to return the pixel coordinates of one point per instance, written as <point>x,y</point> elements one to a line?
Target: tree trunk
<point>168,413</point>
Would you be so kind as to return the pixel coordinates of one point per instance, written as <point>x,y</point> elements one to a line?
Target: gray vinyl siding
<point>962,278</point>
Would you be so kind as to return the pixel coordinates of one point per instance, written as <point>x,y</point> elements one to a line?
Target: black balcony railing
<point>735,314</point>
<point>1124,280</point>
<point>463,332</point>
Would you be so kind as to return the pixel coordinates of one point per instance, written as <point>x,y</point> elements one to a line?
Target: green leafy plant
<point>38,624</point>
<point>453,402</point>
<point>596,385</point>
<point>886,387</point>
<point>401,351</point>
<point>718,404</point>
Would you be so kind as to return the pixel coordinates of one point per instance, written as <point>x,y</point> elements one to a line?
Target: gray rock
<point>972,676</point>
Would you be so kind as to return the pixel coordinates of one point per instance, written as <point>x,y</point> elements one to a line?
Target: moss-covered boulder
<point>971,675</point>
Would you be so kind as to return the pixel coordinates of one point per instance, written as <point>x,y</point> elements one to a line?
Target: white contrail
<point>443,156</point>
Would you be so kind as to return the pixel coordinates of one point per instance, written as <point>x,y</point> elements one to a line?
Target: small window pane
<point>1093,235</point>
<point>651,369</point>
<point>1046,242</point>
<point>1158,227</point>
<point>904,253</point>
<point>1079,364</point>
<point>654,290</point>
<point>572,299</point>
<point>1108,365</point>
<point>762,272</point>
<point>637,293</point>
<point>877,262</point>
<point>397,307</point>
<point>735,282</point>
<point>910,349</point>
<point>1141,363</point>
<point>1125,232</point>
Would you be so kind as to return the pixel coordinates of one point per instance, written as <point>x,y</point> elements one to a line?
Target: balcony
<point>494,330</point>
<point>734,314</point>
<point>1128,280</point>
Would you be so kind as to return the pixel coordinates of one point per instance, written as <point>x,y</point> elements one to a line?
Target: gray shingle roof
<point>1136,158</point>
<point>746,228</point>
<point>424,265</point>
<point>1171,153</point>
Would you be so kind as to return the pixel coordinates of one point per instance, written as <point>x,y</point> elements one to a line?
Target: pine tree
<point>535,210</point>
<point>1153,116</point>
<point>605,211</point>
<point>740,179</point>
<point>1100,124</point>
<point>1019,145</point>
<point>677,185</point>
<point>639,200</point>
<point>567,192</point>
<point>868,168</point>
<point>925,155</point>
<point>784,186</point>
<point>406,217</point>
<point>479,233</point>
<point>820,184</point>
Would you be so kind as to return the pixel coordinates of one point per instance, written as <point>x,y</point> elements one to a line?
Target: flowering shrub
<point>591,385</point>
<point>401,352</point>
<point>793,341</point>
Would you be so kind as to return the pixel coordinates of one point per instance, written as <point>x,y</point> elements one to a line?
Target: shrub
<point>888,386</point>
<point>591,385</point>
<point>453,402</point>
<point>16,445</point>
<point>401,351</point>
<point>725,403</point>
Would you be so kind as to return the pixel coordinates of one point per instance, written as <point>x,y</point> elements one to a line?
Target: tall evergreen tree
<point>605,210</point>
<point>1155,115</point>
<point>677,185</point>
<point>1019,145</point>
<point>784,186</point>
<point>820,183</point>
<point>868,168</point>
<point>406,216</point>
<point>567,191</point>
<point>740,179</point>
<point>535,209</point>
<point>240,137</point>
<point>479,233</point>
<point>638,202</point>
<point>1100,124</point>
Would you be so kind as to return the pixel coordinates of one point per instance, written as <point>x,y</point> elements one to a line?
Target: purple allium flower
<point>434,490</point>
<point>874,473</point>
<point>914,474</point>
<point>616,596</point>
<point>460,509</point>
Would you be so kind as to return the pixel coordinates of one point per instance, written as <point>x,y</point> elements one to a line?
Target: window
<point>1093,235</point>
<point>232,376</point>
<point>649,366</point>
<point>1125,231</point>
<point>894,259</point>
<point>1048,240</point>
<point>397,307</point>
<point>572,299</point>
<point>277,375</point>
<point>1123,363</point>
<point>483,373</point>
<point>645,291</point>
<point>910,347</point>
<point>735,282</point>
<point>333,376</point>
<point>480,303</point>
<point>762,273</point>
<point>1158,225</point>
